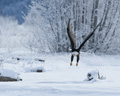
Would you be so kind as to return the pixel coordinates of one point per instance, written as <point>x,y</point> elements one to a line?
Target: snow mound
<point>94,76</point>
<point>36,69</point>
<point>9,75</point>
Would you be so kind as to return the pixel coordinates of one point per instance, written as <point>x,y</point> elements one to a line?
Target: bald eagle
<point>76,51</point>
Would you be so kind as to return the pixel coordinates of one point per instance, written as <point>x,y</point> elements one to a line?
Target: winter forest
<point>44,27</point>
<point>38,54</point>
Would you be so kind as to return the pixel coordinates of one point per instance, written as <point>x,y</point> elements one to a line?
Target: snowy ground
<point>60,79</point>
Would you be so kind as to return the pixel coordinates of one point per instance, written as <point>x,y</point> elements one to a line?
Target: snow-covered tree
<point>51,16</point>
<point>85,15</point>
<point>40,37</point>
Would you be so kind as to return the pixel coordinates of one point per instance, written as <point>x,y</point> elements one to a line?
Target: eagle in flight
<point>76,51</point>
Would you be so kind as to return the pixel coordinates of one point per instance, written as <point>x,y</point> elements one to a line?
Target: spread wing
<point>88,37</point>
<point>71,36</point>
<point>85,40</point>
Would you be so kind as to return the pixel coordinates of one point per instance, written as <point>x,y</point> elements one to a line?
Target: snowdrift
<point>9,75</point>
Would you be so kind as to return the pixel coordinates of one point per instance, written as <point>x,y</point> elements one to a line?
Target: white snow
<point>61,79</point>
<point>94,76</point>
<point>9,73</point>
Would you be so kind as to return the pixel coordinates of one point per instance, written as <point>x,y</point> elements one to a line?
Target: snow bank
<point>35,69</point>
<point>62,79</point>
<point>9,73</point>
